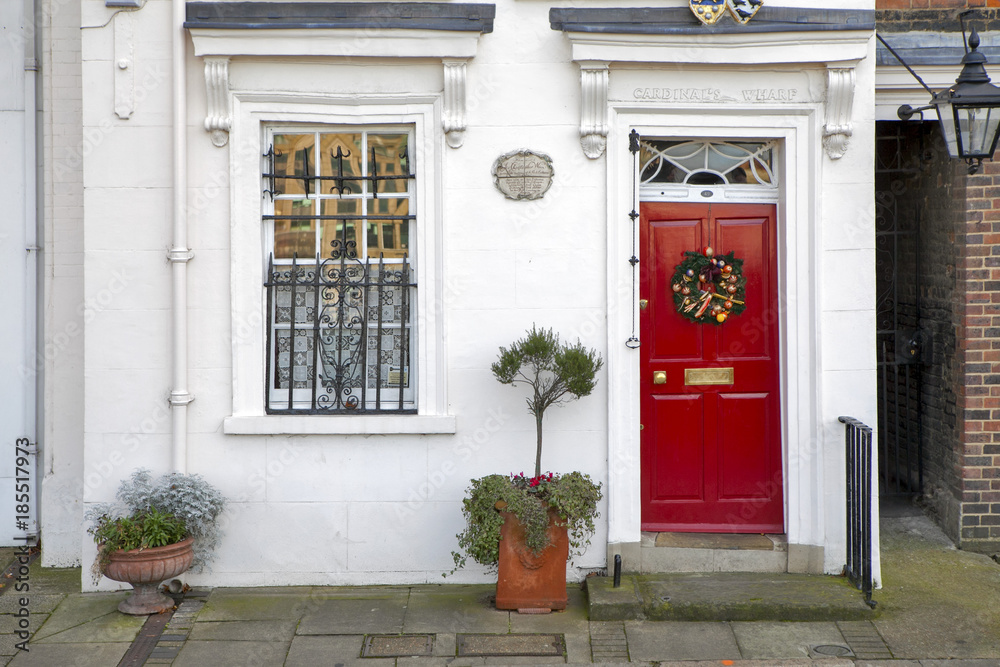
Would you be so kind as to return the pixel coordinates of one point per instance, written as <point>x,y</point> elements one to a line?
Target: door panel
<point>711,453</point>
<point>688,413</point>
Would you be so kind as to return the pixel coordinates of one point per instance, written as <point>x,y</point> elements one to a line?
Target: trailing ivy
<point>573,497</point>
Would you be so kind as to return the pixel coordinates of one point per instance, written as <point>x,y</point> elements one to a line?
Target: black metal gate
<point>902,346</point>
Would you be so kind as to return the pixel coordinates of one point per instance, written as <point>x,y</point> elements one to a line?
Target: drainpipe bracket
<point>180,398</point>
<point>180,254</point>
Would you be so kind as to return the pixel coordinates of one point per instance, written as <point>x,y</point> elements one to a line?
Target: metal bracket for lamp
<point>969,110</point>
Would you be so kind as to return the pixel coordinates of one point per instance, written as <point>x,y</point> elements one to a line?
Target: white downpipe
<point>31,235</point>
<point>179,253</point>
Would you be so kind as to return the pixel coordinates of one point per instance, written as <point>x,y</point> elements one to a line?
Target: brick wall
<point>979,404</point>
<point>941,198</point>
<point>934,15</point>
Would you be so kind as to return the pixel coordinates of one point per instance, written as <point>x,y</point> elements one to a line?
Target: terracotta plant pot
<point>145,569</point>
<point>530,583</point>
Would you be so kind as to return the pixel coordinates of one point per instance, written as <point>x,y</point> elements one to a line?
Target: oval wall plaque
<point>523,174</point>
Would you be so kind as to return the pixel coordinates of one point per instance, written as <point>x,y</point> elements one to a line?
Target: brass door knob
<point>659,377</point>
<point>643,304</point>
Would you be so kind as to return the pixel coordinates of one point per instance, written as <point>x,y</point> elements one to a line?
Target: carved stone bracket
<point>839,105</point>
<point>594,108</point>
<point>453,120</point>
<point>217,118</point>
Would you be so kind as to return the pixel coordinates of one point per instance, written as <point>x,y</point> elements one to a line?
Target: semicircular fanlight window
<point>707,162</point>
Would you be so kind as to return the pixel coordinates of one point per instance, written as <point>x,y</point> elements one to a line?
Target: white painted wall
<point>356,509</point>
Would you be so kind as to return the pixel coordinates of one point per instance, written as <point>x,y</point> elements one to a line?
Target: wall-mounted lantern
<point>969,110</point>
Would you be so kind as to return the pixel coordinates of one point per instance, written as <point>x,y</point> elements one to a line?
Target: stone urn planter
<point>528,582</point>
<point>145,569</point>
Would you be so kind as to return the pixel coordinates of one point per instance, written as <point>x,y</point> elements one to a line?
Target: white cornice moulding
<point>218,120</point>
<point>453,120</point>
<point>593,108</point>
<point>724,49</point>
<point>334,42</point>
<point>218,46</point>
<point>839,106</point>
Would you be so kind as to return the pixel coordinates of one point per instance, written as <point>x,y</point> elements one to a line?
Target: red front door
<point>711,439</point>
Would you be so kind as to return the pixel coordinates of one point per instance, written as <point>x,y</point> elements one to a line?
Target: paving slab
<point>71,655</point>
<point>244,654</point>
<point>53,580</point>
<point>937,602</point>
<point>332,651</point>
<point>10,603</point>
<point>681,641</point>
<point>89,617</point>
<point>438,662</point>
<point>344,616</point>
<point>10,623</point>
<point>454,608</point>
<point>784,640</point>
<point>264,631</point>
<point>253,604</point>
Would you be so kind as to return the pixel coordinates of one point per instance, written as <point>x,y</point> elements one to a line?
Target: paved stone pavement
<point>938,608</point>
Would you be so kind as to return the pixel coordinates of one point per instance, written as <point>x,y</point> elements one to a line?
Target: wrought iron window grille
<point>271,177</point>
<point>339,335</point>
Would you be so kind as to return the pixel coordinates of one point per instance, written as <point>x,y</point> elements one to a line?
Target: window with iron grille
<point>340,283</point>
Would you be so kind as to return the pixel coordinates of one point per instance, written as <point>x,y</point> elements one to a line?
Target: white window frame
<point>252,115</point>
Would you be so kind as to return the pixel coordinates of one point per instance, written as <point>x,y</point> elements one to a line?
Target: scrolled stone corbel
<point>453,120</point>
<point>593,108</point>
<point>217,119</point>
<point>839,105</point>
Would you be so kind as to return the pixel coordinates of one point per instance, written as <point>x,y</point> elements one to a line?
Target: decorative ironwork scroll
<point>340,334</point>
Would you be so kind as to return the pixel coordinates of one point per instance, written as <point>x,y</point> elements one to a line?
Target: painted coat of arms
<point>743,10</point>
<point>708,11</point>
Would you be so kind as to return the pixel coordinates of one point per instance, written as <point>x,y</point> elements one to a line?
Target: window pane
<point>391,238</point>
<point>391,160</point>
<point>294,236</point>
<point>294,156</point>
<point>341,233</point>
<point>342,154</point>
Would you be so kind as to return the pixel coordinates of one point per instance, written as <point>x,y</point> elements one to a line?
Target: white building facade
<point>343,402</point>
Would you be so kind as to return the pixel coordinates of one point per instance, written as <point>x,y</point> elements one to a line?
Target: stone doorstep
<point>712,552</point>
<point>725,597</point>
<point>729,541</point>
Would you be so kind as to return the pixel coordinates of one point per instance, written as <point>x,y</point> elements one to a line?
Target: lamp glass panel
<point>948,123</point>
<point>977,129</point>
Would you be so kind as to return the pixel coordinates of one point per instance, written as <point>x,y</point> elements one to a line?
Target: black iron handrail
<point>858,568</point>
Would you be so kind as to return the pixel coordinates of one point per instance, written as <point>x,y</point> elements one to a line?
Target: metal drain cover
<point>510,645</point>
<point>831,649</point>
<point>397,646</point>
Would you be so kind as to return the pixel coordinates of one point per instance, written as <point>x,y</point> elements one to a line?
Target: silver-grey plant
<point>188,497</point>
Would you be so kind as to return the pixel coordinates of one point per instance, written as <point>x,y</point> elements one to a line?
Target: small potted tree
<point>156,530</point>
<point>527,527</point>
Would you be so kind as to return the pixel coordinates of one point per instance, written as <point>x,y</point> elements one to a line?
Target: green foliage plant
<point>573,497</point>
<point>555,373</point>
<point>155,512</point>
